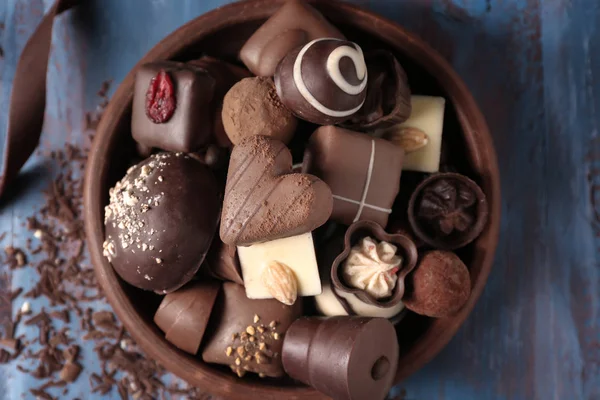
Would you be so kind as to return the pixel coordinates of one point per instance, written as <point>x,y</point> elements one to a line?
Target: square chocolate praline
<point>363,173</point>
<point>189,127</point>
<point>247,335</point>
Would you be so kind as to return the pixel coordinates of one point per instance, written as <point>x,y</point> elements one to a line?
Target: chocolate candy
<point>388,94</point>
<point>323,82</point>
<point>247,335</point>
<point>439,287</point>
<point>183,315</point>
<point>161,220</point>
<point>448,211</point>
<point>264,200</point>
<point>346,265</point>
<point>282,269</point>
<point>293,25</point>
<point>226,75</point>
<point>421,134</point>
<point>222,262</point>
<point>362,172</point>
<point>252,107</point>
<point>171,106</point>
<point>346,358</point>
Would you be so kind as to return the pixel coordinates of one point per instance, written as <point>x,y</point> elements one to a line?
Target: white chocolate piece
<point>328,304</point>
<point>427,115</point>
<point>297,252</point>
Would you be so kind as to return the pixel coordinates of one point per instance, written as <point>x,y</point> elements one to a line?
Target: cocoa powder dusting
<point>45,327</point>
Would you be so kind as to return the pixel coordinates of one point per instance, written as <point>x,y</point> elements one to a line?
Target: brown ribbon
<point>28,97</point>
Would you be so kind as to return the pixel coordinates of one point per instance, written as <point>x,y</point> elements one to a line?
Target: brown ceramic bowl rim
<point>482,212</point>
<point>475,133</point>
<point>404,244</point>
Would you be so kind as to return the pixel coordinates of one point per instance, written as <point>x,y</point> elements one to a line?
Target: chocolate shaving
<point>66,280</point>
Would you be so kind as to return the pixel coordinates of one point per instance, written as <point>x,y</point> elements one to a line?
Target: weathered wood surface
<point>533,66</point>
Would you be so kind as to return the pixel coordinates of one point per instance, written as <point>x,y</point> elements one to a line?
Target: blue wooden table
<point>534,68</point>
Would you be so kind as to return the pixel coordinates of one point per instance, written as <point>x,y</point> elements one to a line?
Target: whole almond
<point>281,282</point>
<point>409,138</point>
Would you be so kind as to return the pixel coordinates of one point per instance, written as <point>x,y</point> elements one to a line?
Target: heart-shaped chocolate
<point>264,200</point>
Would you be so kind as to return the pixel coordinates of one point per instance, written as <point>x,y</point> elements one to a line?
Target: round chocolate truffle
<point>251,107</point>
<point>439,287</point>
<point>324,82</point>
<point>160,221</point>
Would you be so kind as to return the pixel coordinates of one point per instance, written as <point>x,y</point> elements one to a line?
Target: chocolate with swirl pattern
<point>264,200</point>
<point>324,82</point>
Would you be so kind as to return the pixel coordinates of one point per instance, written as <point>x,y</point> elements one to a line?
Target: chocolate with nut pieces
<point>247,335</point>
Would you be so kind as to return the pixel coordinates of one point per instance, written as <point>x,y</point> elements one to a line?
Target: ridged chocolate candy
<point>323,82</point>
<point>347,358</point>
<point>183,314</point>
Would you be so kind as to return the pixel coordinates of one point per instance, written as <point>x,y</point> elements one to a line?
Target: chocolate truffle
<point>226,75</point>
<point>362,172</point>
<point>439,286</point>
<point>247,335</point>
<point>161,220</point>
<point>448,211</point>
<point>264,200</point>
<point>171,106</point>
<point>388,94</point>
<point>183,315</point>
<point>252,107</point>
<point>324,82</point>
<point>293,25</point>
<point>222,262</point>
<point>347,358</point>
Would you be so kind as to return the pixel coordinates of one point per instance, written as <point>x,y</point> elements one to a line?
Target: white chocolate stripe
<point>367,183</point>
<point>333,68</point>
<point>366,205</point>
<point>362,203</point>
<point>301,86</point>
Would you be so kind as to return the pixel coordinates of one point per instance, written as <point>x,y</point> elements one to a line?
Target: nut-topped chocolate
<point>323,82</point>
<point>247,335</point>
<point>160,221</point>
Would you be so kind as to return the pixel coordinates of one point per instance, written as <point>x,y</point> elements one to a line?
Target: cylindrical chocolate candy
<point>347,358</point>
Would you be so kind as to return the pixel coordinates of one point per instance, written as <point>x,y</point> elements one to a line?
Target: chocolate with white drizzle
<point>323,82</point>
<point>362,172</point>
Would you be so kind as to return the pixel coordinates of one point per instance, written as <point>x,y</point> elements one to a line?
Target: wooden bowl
<point>221,33</point>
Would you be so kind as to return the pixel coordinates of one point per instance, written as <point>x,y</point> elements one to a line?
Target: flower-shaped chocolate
<point>343,276</point>
<point>373,267</point>
<point>448,210</point>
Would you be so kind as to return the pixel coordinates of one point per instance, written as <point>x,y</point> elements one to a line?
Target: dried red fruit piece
<point>160,98</point>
